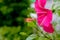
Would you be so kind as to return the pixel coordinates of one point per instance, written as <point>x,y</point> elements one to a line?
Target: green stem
<point>38,29</point>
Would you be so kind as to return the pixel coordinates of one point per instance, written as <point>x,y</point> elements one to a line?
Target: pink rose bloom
<point>44,16</point>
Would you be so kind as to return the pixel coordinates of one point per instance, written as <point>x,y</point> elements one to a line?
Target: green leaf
<point>42,38</point>
<point>23,33</point>
<point>31,37</point>
<point>31,24</point>
<point>32,1</point>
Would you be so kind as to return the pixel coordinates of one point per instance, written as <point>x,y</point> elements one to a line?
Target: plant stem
<point>40,31</point>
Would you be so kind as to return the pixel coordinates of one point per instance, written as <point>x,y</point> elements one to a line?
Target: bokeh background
<point>12,19</point>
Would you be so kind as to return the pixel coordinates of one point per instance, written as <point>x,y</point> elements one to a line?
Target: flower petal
<point>44,16</point>
<point>49,28</point>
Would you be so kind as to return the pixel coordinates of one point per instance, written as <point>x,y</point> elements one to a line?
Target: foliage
<point>12,19</point>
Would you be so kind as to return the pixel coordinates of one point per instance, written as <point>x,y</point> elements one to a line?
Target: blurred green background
<point>12,19</point>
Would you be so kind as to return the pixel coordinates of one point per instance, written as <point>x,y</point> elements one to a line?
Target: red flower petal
<point>44,16</point>
<point>49,28</point>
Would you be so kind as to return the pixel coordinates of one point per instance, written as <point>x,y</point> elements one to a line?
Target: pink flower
<point>44,16</point>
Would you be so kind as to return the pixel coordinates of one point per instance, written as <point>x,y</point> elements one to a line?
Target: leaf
<point>23,33</point>
<point>32,1</point>
<point>31,37</point>
<point>31,24</point>
<point>42,38</point>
